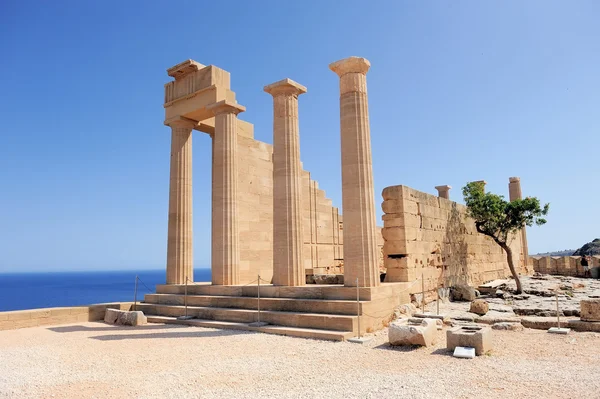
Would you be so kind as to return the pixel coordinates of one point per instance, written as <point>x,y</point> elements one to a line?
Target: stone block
<point>125,318</point>
<point>590,309</point>
<point>507,326</point>
<point>476,337</point>
<point>463,293</point>
<point>402,334</point>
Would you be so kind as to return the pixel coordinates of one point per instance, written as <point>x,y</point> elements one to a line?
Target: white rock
<point>125,318</point>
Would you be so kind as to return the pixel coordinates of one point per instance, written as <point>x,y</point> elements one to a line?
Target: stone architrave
<point>288,233</point>
<point>225,237</point>
<point>180,255</point>
<point>514,193</point>
<point>443,191</point>
<point>361,255</point>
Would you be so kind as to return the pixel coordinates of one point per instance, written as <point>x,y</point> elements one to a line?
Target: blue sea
<point>44,290</point>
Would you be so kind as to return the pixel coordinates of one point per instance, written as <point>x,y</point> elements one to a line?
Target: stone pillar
<point>443,191</point>
<point>483,183</point>
<point>225,238</point>
<point>180,245</point>
<point>288,232</point>
<point>514,193</point>
<point>361,255</point>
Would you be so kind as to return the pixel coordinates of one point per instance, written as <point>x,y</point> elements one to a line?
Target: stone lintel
<point>514,179</point>
<point>184,68</point>
<point>285,86</point>
<point>225,106</point>
<point>350,65</point>
<point>181,121</point>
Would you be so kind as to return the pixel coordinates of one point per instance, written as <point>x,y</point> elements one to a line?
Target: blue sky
<point>458,91</point>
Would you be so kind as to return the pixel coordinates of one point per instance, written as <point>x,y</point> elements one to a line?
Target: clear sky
<point>458,91</point>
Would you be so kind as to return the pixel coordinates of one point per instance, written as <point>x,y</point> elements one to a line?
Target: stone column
<point>361,256</point>
<point>225,238</point>
<point>443,191</point>
<point>288,232</point>
<point>180,246</point>
<point>514,193</point>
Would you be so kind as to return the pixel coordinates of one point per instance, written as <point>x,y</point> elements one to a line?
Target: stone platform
<point>316,311</point>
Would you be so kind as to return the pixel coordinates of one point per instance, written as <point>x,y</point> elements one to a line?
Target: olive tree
<point>500,219</point>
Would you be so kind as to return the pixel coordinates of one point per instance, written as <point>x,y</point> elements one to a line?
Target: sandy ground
<point>94,360</point>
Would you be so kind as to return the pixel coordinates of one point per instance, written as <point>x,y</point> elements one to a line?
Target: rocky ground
<point>95,360</point>
<point>538,299</point>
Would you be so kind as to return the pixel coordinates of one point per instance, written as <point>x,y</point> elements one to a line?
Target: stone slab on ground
<point>464,352</point>
<point>492,286</point>
<point>478,337</point>
<point>542,323</point>
<point>125,318</point>
<point>405,334</point>
<point>580,325</point>
<point>559,330</point>
<point>507,326</point>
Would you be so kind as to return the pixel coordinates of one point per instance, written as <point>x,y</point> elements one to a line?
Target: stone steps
<point>338,307</point>
<point>330,335</point>
<point>335,322</point>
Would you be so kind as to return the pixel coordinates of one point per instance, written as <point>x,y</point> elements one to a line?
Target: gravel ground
<point>94,360</point>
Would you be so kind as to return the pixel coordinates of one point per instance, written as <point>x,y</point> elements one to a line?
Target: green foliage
<point>496,217</point>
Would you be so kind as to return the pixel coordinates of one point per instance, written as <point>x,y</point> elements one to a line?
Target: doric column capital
<point>226,107</point>
<point>181,122</point>
<point>514,179</point>
<point>350,65</point>
<point>285,87</point>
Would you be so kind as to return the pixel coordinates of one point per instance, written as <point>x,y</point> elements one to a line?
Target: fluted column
<point>358,195</point>
<point>180,246</point>
<point>225,237</point>
<point>288,233</point>
<point>443,191</point>
<point>514,193</point>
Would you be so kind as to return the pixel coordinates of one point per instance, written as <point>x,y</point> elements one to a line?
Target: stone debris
<point>507,326</point>
<point>125,318</point>
<point>479,306</point>
<point>405,333</point>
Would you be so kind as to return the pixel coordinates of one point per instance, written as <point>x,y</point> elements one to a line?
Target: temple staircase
<point>328,312</point>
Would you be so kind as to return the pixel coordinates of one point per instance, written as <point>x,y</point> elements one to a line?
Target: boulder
<point>124,318</point>
<point>479,306</point>
<point>590,309</point>
<point>463,293</point>
<point>402,334</point>
<point>507,326</point>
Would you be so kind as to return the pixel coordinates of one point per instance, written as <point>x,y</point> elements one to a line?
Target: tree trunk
<point>511,265</point>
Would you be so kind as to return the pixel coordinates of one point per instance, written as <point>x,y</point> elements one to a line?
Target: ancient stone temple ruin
<point>270,219</point>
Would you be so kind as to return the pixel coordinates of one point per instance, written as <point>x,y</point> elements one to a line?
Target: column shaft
<point>180,247</point>
<point>288,232</point>
<point>225,236</point>
<point>514,193</point>
<point>358,196</point>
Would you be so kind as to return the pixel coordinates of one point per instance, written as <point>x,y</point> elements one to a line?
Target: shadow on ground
<point>177,334</point>
<point>105,327</point>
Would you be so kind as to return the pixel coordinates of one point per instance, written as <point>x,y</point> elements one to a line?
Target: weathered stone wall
<point>56,316</point>
<point>562,265</point>
<point>323,225</point>
<point>425,235</point>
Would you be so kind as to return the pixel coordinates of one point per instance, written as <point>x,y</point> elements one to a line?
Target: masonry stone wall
<point>323,223</point>
<point>425,235</point>
<point>561,265</point>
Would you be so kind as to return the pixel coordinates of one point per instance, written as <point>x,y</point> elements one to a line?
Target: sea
<point>20,291</point>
